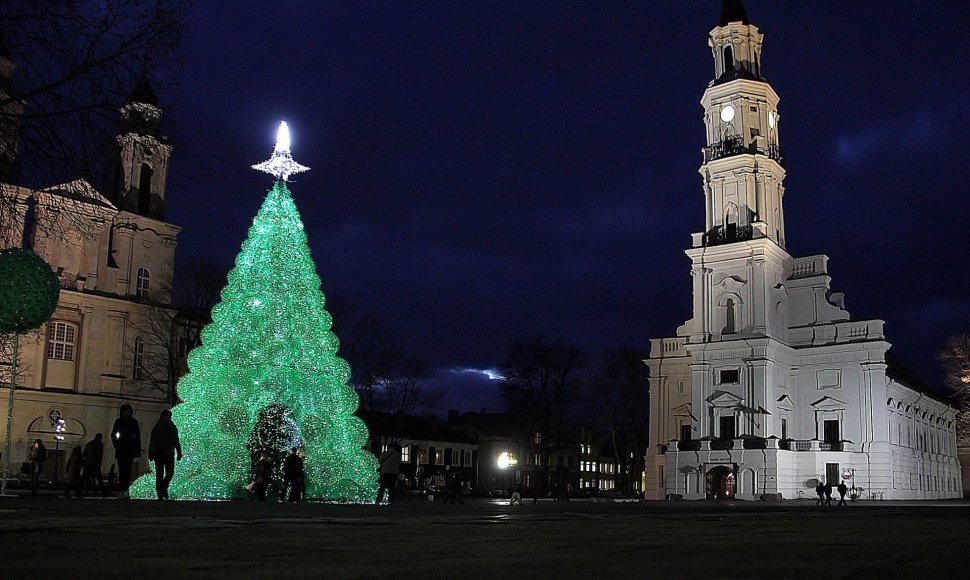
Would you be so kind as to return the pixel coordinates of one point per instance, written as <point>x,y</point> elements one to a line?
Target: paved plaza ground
<point>50,537</point>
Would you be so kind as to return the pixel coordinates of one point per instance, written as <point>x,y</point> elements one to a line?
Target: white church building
<point>771,387</point>
<point>111,338</point>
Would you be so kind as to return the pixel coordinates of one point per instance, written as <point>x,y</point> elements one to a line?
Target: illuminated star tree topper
<point>281,164</point>
<point>266,376</point>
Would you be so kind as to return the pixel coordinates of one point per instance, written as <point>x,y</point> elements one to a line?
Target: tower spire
<point>733,11</point>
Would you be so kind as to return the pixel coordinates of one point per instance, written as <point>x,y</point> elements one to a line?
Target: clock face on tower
<point>727,114</point>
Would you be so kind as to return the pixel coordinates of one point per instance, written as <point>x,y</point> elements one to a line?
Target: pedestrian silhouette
<point>390,466</point>
<point>820,492</point>
<point>454,486</point>
<point>36,457</point>
<point>828,494</point>
<point>126,438</point>
<point>842,491</point>
<point>516,495</point>
<point>93,458</point>
<point>163,448</point>
<point>294,474</point>
<point>262,477</point>
<point>75,464</point>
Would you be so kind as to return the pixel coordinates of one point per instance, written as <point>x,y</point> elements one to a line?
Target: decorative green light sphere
<point>28,291</point>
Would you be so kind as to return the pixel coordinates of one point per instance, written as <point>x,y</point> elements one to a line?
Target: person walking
<point>126,438</point>
<point>163,448</point>
<point>294,473</point>
<point>75,463</point>
<point>390,466</point>
<point>454,486</point>
<point>93,458</point>
<point>842,491</point>
<point>36,458</point>
<point>828,494</point>
<point>262,477</point>
<point>516,495</point>
<point>820,492</point>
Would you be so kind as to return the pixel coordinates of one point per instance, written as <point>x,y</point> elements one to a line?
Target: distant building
<point>771,386</point>
<point>109,341</point>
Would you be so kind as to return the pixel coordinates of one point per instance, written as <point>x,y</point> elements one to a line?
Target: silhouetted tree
<point>956,360</point>
<point>616,393</point>
<point>540,386</point>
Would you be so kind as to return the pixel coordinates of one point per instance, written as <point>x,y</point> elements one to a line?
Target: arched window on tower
<point>728,59</point>
<point>145,189</point>
<point>731,221</point>
<point>138,360</point>
<point>730,317</point>
<point>143,283</point>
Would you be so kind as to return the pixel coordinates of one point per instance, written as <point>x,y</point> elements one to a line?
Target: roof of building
<point>733,11</point>
<point>899,371</point>
<point>400,426</point>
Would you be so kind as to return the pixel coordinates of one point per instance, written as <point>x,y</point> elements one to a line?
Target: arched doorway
<point>721,483</point>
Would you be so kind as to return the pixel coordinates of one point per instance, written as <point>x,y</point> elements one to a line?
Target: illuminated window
<point>60,345</point>
<point>422,455</point>
<point>468,459</point>
<point>143,283</point>
<point>138,362</point>
<point>406,453</point>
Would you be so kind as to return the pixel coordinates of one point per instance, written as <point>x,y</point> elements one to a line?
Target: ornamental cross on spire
<point>281,164</point>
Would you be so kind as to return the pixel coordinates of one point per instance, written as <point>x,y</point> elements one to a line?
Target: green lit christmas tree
<point>267,376</point>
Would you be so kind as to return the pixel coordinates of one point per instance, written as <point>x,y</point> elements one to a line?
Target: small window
<point>784,428</point>
<point>685,432</point>
<point>728,59</point>
<point>730,376</point>
<point>406,453</point>
<point>143,283</point>
<point>727,428</point>
<point>138,362</point>
<point>60,345</point>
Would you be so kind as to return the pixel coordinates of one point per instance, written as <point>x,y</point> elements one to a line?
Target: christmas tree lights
<point>266,376</point>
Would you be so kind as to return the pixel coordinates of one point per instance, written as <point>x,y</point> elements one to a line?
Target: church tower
<point>743,165</point>
<point>141,165</point>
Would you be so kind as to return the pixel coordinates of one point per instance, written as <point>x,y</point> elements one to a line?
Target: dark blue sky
<point>491,171</point>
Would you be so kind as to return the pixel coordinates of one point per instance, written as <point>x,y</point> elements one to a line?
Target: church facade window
<point>138,360</point>
<point>61,342</point>
<point>143,283</point>
<point>145,188</point>
<point>728,59</point>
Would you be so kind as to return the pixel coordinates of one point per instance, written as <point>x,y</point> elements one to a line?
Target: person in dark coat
<point>293,476</point>
<point>453,479</point>
<point>820,492</point>
<point>842,491</point>
<point>36,457</point>
<point>93,458</point>
<point>390,466</point>
<point>262,477</point>
<point>75,463</point>
<point>164,448</point>
<point>828,494</point>
<point>126,437</point>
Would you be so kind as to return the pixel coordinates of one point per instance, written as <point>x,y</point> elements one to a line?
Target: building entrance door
<point>721,482</point>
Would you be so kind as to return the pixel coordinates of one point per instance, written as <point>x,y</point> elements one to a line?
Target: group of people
<point>824,493</point>
<point>84,464</point>
<point>294,477</point>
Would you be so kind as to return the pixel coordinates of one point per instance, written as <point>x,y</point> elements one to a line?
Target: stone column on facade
<point>113,343</point>
<point>759,371</point>
<point>124,240</point>
<point>700,391</point>
<point>85,324</point>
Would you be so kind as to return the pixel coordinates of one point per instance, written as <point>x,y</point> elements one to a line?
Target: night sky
<point>485,172</point>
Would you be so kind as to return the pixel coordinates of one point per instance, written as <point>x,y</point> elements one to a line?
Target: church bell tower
<point>743,166</point>
<point>141,166</point>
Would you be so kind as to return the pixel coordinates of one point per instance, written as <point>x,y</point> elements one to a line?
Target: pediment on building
<point>785,403</point>
<point>732,283</point>
<point>829,404</point>
<point>724,399</point>
<point>683,411</point>
<point>77,191</point>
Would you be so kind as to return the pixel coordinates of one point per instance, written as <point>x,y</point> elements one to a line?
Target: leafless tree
<point>540,387</point>
<point>171,331</point>
<point>956,360</point>
<point>76,62</point>
<point>387,377</point>
<point>616,392</point>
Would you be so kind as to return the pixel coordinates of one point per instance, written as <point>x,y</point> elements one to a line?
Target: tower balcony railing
<point>721,235</point>
<point>732,146</point>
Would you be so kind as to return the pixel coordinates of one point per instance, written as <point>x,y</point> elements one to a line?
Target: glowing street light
<point>503,460</point>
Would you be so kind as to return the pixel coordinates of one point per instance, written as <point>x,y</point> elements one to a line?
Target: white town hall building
<point>771,386</point>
